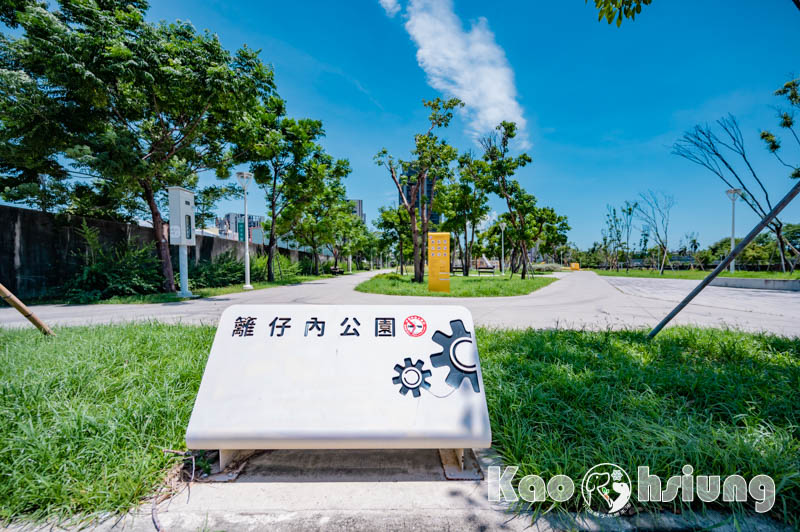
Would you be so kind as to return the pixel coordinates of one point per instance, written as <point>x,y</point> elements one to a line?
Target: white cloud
<point>392,7</point>
<point>469,65</point>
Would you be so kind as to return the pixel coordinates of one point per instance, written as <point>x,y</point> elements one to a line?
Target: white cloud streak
<point>392,7</point>
<point>469,65</point>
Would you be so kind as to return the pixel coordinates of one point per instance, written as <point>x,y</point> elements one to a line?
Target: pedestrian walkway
<point>579,300</point>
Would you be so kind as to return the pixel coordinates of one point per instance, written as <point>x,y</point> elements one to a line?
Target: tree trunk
<point>402,271</point>
<point>419,269</point>
<point>781,247</point>
<point>271,255</point>
<point>524,261</point>
<point>162,244</point>
<point>423,212</point>
<point>663,261</point>
<point>464,254</point>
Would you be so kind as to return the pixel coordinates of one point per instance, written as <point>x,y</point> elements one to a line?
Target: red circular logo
<point>415,326</point>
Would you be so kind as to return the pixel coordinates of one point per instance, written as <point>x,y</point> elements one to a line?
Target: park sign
<point>341,377</point>
<point>439,262</point>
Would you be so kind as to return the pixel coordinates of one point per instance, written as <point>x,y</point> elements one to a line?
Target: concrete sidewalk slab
<point>376,490</point>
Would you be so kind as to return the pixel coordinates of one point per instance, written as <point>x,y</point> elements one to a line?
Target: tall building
<point>229,225</point>
<point>435,216</point>
<point>357,207</point>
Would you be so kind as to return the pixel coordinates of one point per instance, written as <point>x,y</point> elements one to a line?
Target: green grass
<point>725,402</point>
<point>695,274</point>
<point>460,286</point>
<point>84,416</point>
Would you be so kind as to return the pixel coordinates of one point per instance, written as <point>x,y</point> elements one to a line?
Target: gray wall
<point>40,251</point>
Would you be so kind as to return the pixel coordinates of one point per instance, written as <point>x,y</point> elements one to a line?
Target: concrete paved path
<point>577,300</point>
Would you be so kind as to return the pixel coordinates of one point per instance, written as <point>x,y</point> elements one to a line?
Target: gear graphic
<point>411,377</point>
<point>458,354</point>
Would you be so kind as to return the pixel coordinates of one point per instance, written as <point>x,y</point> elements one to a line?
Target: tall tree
<point>502,166</point>
<point>431,158</point>
<point>282,153</point>
<point>314,223</point>
<point>724,154</point>
<point>143,106</point>
<point>654,211</point>
<point>627,212</point>
<point>612,235</point>
<point>465,204</point>
<point>395,231</point>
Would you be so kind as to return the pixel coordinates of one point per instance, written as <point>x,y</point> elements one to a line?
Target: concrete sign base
<point>341,377</point>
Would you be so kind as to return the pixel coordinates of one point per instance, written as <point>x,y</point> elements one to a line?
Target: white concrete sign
<point>341,377</point>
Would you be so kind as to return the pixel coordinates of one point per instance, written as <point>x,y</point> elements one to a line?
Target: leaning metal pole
<point>12,300</point>
<point>732,255</point>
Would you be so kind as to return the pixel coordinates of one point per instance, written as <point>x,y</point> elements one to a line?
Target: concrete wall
<point>40,251</point>
<point>758,284</point>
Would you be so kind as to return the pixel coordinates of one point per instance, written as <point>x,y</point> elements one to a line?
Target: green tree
<point>465,205</point>
<point>395,232</point>
<point>282,153</point>
<point>502,167</point>
<point>619,9</point>
<point>314,223</point>
<point>141,106</point>
<point>431,158</point>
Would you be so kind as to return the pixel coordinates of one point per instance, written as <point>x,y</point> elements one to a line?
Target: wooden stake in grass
<point>12,300</point>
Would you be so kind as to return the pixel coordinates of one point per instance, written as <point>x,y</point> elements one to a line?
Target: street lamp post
<point>733,194</point>
<point>244,179</point>
<point>502,247</point>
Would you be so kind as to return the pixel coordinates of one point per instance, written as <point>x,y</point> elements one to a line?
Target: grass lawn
<point>696,274</point>
<point>84,416</point>
<point>484,286</point>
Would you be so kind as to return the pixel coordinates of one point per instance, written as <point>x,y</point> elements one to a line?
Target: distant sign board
<point>574,266</point>
<point>341,377</point>
<point>439,262</point>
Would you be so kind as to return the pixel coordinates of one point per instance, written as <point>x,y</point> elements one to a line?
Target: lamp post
<point>244,179</point>
<point>502,247</point>
<point>733,194</point>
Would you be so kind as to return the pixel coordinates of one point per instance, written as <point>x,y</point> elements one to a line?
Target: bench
<point>486,270</point>
<point>337,271</point>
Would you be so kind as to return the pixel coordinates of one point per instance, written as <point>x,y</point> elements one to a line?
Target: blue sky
<point>601,105</point>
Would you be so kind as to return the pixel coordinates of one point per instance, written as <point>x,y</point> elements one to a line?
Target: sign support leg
<point>183,258</point>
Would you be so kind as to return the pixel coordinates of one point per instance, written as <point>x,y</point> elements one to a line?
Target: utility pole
<point>244,179</point>
<point>502,247</point>
<point>733,194</point>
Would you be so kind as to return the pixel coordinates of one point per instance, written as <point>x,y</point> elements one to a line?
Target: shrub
<point>550,267</point>
<point>127,269</point>
<point>284,267</point>
<point>390,277</point>
<point>224,270</point>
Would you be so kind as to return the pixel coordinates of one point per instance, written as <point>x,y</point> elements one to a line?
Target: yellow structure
<point>439,262</point>
<point>574,266</point>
